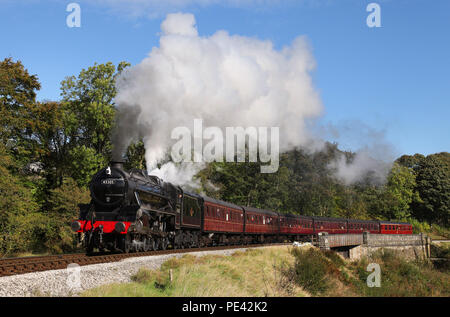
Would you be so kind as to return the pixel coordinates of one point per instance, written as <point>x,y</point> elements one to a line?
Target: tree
<point>433,185</point>
<point>49,125</point>
<point>63,201</point>
<point>399,193</point>
<point>90,97</point>
<point>135,156</point>
<point>410,161</point>
<point>17,93</point>
<point>84,163</point>
<point>16,205</point>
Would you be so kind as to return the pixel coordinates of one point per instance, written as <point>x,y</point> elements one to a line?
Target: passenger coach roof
<point>363,221</point>
<point>220,202</point>
<point>296,216</point>
<point>261,211</point>
<point>328,219</point>
<point>394,222</point>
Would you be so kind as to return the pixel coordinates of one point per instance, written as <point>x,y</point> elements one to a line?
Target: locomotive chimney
<point>116,164</point>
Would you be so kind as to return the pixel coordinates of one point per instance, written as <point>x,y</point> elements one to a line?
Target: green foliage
<point>135,156</point>
<point>85,162</point>
<point>433,230</point>
<point>392,201</point>
<point>433,185</point>
<point>90,97</point>
<point>64,200</point>
<point>431,201</point>
<point>16,205</point>
<point>71,139</point>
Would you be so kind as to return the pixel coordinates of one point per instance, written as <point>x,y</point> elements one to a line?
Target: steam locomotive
<point>133,211</point>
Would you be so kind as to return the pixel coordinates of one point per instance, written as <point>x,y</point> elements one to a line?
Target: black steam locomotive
<point>129,211</point>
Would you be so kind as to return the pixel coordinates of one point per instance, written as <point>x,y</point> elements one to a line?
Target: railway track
<point>15,266</point>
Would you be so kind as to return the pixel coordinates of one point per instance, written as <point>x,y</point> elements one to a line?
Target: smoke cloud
<point>361,166</point>
<point>226,80</point>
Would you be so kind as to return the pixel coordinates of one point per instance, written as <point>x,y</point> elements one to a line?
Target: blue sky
<point>394,79</point>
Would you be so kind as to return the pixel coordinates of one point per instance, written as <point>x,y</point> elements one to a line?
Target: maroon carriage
<point>330,225</point>
<point>296,225</point>
<point>360,226</point>
<point>391,227</point>
<point>260,221</point>
<point>220,216</point>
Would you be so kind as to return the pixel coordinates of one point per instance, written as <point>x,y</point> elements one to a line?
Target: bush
<point>334,257</point>
<point>311,269</point>
<point>400,277</point>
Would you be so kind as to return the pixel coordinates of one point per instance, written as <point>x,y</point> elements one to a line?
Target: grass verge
<point>255,272</point>
<point>284,271</point>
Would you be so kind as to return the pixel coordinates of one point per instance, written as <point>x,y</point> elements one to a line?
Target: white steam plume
<point>227,80</point>
<point>363,165</point>
<point>373,158</point>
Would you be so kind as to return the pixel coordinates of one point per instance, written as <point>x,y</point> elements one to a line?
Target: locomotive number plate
<point>109,181</point>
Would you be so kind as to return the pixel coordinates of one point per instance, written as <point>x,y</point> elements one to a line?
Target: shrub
<point>334,257</point>
<point>311,270</point>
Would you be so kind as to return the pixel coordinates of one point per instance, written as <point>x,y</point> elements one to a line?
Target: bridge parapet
<point>327,241</point>
<point>391,240</point>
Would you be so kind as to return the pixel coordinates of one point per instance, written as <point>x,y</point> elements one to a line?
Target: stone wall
<point>409,252</point>
<point>384,240</point>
